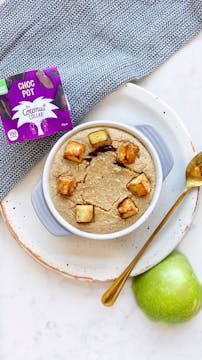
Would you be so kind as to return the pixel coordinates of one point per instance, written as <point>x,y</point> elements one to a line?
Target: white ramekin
<point>46,174</point>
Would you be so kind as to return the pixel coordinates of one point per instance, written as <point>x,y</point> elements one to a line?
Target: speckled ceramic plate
<point>92,260</point>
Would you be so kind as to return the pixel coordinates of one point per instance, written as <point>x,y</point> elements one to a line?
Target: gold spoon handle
<point>110,296</point>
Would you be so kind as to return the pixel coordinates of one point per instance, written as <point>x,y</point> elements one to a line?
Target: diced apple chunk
<point>84,213</point>
<point>99,138</point>
<point>127,208</point>
<point>74,151</point>
<point>66,186</point>
<point>127,153</point>
<point>139,186</point>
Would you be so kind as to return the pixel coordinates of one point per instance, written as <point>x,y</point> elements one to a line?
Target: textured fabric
<point>97,45</point>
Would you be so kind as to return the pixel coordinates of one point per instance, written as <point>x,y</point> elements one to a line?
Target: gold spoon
<point>193,179</point>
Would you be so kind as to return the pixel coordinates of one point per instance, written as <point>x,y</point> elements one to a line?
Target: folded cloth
<point>97,45</point>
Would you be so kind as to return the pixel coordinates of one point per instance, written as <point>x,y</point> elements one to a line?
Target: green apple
<point>170,291</point>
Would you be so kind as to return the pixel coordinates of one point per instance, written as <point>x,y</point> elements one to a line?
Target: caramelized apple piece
<point>66,186</point>
<point>140,185</point>
<point>99,138</point>
<point>127,153</point>
<point>127,208</point>
<point>74,151</point>
<point>84,213</point>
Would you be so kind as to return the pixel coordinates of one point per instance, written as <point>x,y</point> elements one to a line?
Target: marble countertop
<point>47,317</point>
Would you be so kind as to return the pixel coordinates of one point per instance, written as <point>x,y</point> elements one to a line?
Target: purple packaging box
<point>33,105</point>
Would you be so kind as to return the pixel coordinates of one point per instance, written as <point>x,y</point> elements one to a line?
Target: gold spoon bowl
<point>193,179</point>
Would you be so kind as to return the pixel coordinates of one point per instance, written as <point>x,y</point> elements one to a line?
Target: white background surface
<point>46,317</point>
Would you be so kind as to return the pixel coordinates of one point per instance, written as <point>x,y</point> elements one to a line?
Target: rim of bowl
<point>107,236</point>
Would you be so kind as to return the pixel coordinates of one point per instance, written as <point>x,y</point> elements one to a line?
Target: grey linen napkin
<point>97,45</point>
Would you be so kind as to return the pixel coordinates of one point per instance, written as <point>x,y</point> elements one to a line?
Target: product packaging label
<point>33,105</point>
